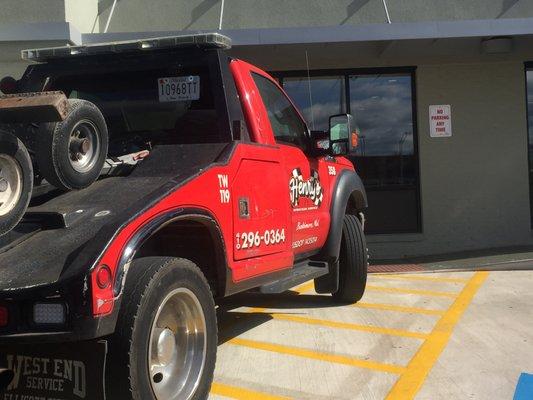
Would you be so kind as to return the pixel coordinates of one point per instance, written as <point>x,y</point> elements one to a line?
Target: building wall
<point>139,15</point>
<point>474,185</point>
<point>83,14</point>
<point>27,11</point>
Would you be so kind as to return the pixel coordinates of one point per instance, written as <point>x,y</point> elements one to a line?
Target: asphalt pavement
<point>444,335</point>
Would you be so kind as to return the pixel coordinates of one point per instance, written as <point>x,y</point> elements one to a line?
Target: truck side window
<point>286,124</point>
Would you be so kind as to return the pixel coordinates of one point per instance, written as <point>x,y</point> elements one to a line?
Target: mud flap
<point>54,371</point>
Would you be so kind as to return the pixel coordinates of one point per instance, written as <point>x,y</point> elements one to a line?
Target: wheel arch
<point>348,196</point>
<point>196,228</point>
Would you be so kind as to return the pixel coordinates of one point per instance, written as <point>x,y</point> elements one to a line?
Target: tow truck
<point>141,182</point>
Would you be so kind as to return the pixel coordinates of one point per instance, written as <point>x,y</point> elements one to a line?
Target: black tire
<point>14,153</point>
<point>353,262</point>
<point>148,284</point>
<point>54,148</point>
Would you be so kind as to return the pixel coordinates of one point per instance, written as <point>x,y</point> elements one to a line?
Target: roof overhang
<point>352,33</point>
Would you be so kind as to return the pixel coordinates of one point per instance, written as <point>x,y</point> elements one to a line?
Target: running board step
<point>300,273</point>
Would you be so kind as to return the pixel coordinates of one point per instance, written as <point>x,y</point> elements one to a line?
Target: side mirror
<point>343,136</point>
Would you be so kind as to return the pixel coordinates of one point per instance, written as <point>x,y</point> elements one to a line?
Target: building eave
<point>351,33</point>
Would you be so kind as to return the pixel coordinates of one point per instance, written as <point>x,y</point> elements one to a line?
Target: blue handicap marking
<point>524,388</point>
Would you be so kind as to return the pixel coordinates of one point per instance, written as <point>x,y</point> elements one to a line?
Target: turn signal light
<point>4,316</point>
<point>103,277</point>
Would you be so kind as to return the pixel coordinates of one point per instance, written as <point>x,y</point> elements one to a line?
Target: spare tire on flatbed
<point>16,181</point>
<point>70,154</point>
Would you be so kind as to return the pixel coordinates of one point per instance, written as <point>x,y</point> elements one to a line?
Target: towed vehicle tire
<point>353,262</point>
<point>164,346</point>
<point>70,154</point>
<point>16,181</point>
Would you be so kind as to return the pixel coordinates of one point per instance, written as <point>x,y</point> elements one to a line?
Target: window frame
<point>528,66</point>
<point>346,73</point>
<point>299,116</point>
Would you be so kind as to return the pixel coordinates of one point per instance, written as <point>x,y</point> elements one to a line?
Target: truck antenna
<point>310,92</point>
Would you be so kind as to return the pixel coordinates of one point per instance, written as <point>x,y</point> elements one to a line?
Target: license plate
<point>179,88</point>
<point>55,372</point>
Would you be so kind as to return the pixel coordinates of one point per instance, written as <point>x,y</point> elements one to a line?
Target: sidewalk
<point>512,258</point>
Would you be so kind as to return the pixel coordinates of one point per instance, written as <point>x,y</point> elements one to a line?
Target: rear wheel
<point>353,262</point>
<point>16,181</point>
<point>165,344</point>
<point>71,153</point>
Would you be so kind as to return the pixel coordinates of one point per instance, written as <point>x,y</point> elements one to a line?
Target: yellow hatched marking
<point>411,291</point>
<point>315,355</point>
<point>234,392</point>
<point>407,277</point>
<point>305,287</point>
<point>393,307</point>
<point>410,382</point>
<point>346,325</point>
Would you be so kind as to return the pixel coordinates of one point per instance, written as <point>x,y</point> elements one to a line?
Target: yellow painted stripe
<point>411,291</point>
<point>315,355</point>
<point>346,325</point>
<point>412,380</point>
<point>303,288</point>
<point>393,307</point>
<point>421,277</point>
<point>241,394</point>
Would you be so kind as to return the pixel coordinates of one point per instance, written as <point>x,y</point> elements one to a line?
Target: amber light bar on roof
<point>203,40</point>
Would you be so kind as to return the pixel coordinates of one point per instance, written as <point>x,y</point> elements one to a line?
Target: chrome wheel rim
<point>178,346</point>
<point>11,183</point>
<point>84,146</point>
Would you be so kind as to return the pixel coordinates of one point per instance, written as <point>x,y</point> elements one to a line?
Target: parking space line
<point>346,325</point>
<point>304,287</point>
<point>393,307</point>
<point>234,392</point>
<point>421,277</point>
<point>411,291</point>
<point>315,355</point>
<point>410,382</point>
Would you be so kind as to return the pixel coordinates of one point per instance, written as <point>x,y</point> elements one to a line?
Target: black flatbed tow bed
<point>63,233</point>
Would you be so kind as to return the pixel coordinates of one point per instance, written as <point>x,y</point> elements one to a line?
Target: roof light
<point>203,40</point>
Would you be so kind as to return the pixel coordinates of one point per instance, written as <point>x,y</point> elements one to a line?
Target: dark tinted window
<point>286,124</point>
<point>386,158</point>
<point>131,104</point>
<point>326,98</point>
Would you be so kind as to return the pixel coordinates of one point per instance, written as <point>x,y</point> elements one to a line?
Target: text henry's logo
<point>310,188</point>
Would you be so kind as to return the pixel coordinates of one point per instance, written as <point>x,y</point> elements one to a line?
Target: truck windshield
<point>164,106</point>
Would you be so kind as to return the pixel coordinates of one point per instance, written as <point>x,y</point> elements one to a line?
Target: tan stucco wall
<point>23,11</point>
<point>83,14</point>
<point>142,15</point>
<point>474,185</point>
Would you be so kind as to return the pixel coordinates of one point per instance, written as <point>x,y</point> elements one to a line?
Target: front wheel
<point>353,262</point>
<point>165,344</point>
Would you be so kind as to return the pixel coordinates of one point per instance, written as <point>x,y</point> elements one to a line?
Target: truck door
<point>306,178</point>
